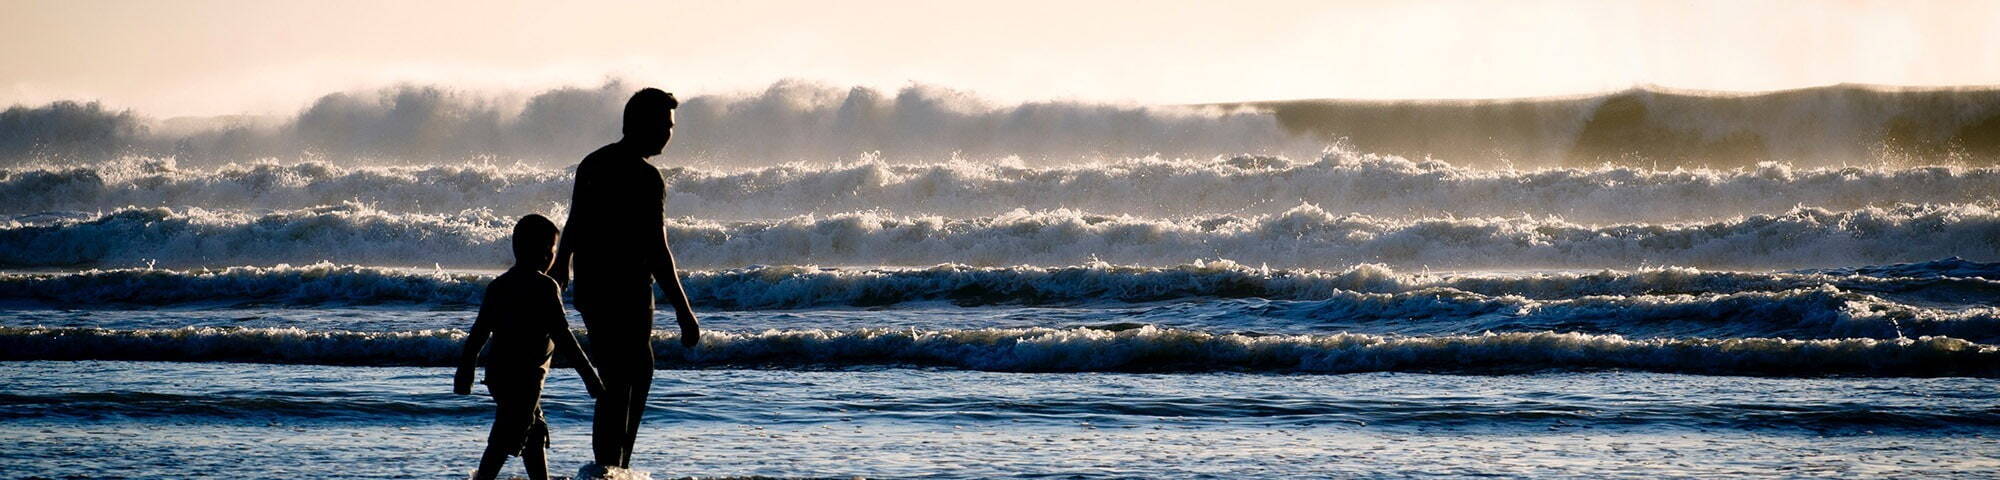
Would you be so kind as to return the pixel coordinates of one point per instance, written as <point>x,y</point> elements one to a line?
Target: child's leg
<point>490,463</point>
<point>535,454</point>
<point>512,419</point>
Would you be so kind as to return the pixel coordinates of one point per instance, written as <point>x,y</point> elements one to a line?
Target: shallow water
<point>1358,315</point>
<point>148,419</point>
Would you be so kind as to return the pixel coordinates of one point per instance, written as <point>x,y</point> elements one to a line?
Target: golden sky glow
<point>214,57</point>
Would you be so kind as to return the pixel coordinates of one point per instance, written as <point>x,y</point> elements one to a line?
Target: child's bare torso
<point>527,309</point>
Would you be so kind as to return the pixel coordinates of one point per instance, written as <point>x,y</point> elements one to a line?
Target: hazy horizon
<point>509,99</point>
<point>818,123</point>
<point>221,58</point>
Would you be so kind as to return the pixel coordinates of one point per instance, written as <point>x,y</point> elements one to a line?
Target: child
<point>523,312</point>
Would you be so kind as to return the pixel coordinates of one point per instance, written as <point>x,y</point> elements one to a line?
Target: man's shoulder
<point>615,162</point>
<point>611,151</point>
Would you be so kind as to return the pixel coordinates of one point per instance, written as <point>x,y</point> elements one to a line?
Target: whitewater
<point>1342,180</point>
<point>1012,291</point>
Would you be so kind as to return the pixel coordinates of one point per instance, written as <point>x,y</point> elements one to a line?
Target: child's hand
<point>690,329</point>
<point>462,382</point>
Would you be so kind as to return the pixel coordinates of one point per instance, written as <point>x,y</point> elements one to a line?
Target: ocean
<point>1269,315</point>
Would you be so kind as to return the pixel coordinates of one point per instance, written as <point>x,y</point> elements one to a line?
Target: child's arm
<point>566,343</point>
<point>468,360</point>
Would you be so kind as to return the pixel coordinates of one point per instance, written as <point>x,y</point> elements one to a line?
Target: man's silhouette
<point>616,242</point>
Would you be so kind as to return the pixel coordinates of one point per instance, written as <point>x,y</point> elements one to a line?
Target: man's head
<point>535,242</point>
<point>649,120</point>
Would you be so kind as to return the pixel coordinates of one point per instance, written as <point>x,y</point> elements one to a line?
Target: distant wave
<point>310,284</point>
<point>789,121</point>
<point>799,121</point>
<point>1340,181</point>
<point>1646,126</point>
<point>1657,302</point>
<point>147,182</point>
<point>1080,349</point>
<point>1302,237</point>
<point>350,232</point>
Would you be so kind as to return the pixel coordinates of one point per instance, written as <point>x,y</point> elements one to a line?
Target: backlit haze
<point>165,59</point>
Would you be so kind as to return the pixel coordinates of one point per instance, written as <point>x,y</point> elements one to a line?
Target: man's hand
<point>562,278</point>
<point>462,382</point>
<point>690,328</point>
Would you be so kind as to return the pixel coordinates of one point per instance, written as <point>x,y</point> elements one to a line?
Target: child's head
<point>535,242</point>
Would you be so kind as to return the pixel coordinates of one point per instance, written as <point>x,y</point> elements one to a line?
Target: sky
<point>213,57</point>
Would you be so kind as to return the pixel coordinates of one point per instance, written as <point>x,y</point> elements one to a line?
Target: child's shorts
<point>518,423</point>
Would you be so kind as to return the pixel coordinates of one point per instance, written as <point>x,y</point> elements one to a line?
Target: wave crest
<point>1343,181</point>
<point>1080,349</point>
<point>788,121</point>
<point>321,283</point>
<point>1303,237</point>
<point>1663,302</point>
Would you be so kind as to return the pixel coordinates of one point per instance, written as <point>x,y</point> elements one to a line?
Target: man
<point>616,242</point>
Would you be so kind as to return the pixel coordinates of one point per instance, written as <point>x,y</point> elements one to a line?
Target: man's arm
<point>560,269</point>
<point>566,343</point>
<point>571,231</point>
<point>670,282</point>
<point>468,360</point>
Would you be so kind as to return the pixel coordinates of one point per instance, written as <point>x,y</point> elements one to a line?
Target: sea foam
<point>1305,236</point>
<point>1075,349</point>
<point>1339,181</point>
<point>1667,302</point>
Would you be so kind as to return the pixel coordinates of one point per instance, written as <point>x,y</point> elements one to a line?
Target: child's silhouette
<point>523,313</point>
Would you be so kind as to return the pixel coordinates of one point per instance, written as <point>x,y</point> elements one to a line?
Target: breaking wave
<point>1657,302</point>
<point>789,121</point>
<point>350,232</point>
<point>1079,349</point>
<point>1340,181</point>
<point>147,182</point>
<point>306,285</point>
<point>1302,237</point>
<point>1823,126</point>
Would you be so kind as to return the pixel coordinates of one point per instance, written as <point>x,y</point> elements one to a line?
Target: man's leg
<point>641,383</point>
<point>609,412</point>
<point>608,423</point>
<point>622,347</point>
<point>636,413</point>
